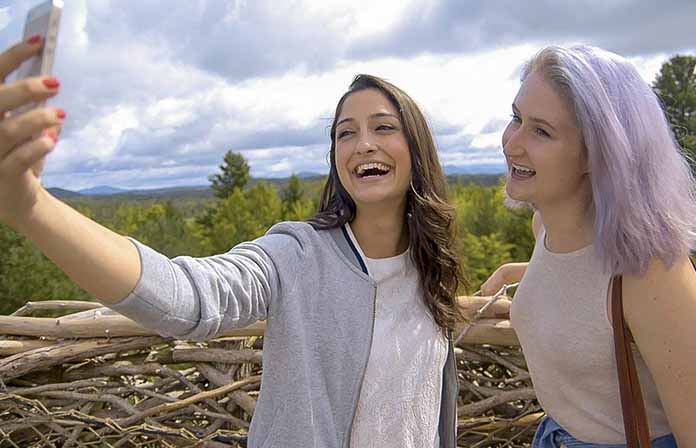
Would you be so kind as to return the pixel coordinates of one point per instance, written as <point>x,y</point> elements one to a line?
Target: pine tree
<point>235,174</point>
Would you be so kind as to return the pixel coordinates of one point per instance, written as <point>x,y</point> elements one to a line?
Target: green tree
<point>160,226</point>
<point>482,255</point>
<point>676,87</point>
<point>242,216</point>
<point>296,207</point>
<point>234,174</point>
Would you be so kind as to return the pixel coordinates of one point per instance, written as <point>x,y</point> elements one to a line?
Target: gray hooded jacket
<point>313,290</point>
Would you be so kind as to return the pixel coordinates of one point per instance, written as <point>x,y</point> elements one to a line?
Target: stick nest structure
<point>93,378</point>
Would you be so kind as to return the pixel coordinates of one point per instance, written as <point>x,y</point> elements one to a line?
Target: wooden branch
<point>168,407</point>
<point>493,423</point>
<point>8,347</point>
<point>491,332</point>
<point>30,307</point>
<point>482,406</point>
<point>216,355</point>
<point>45,357</point>
<point>214,375</point>
<point>95,326</point>
<point>485,331</point>
<point>244,401</point>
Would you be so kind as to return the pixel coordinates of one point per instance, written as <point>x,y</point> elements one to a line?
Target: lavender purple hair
<point>643,192</point>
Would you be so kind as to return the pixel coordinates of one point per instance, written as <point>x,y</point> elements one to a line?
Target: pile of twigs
<point>95,378</point>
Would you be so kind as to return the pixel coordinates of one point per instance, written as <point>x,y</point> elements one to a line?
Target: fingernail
<point>50,133</point>
<point>35,39</point>
<point>51,83</point>
<point>60,113</point>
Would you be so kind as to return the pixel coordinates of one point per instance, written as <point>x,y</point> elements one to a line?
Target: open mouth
<point>522,172</point>
<point>371,170</point>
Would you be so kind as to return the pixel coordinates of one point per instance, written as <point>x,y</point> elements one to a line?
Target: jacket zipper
<point>346,444</point>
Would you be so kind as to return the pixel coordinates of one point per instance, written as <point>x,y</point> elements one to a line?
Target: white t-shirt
<point>399,404</point>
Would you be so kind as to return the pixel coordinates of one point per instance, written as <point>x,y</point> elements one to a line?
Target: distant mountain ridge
<point>101,190</point>
<point>483,174</point>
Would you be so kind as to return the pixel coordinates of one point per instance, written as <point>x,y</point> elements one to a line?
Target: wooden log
<point>96,326</point>
<point>30,307</point>
<point>45,357</point>
<point>244,401</point>
<point>485,331</point>
<point>216,355</point>
<point>8,348</point>
<point>490,331</point>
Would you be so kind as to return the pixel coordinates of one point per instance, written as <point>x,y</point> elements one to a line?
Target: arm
<point>660,309</point>
<point>510,272</point>
<point>101,261</point>
<point>471,304</point>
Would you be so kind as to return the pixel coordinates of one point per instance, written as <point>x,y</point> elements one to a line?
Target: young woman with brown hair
<point>359,301</point>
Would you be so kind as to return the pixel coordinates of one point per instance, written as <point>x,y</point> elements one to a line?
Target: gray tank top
<point>560,314</point>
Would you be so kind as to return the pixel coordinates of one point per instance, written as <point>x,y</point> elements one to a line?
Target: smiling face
<point>372,155</point>
<point>543,148</point>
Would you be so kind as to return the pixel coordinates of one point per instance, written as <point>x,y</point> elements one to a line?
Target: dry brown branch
<point>203,396</point>
<point>484,405</point>
<point>44,357</point>
<point>216,355</point>
<point>8,347</point>
<point>71,305</point>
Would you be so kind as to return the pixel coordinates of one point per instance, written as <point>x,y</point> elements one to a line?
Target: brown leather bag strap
<point>632,405</point>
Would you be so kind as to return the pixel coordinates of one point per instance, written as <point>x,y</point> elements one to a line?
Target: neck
<point>381,233</point>
<point>568,227</point>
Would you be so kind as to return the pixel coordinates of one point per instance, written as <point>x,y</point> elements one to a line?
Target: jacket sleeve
<point>198,298</point>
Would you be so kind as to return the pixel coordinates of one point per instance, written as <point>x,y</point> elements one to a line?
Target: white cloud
<point>152,93</point>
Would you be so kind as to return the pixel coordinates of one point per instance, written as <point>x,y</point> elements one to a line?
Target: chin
<point>513,195</point>
<point>513,203</point>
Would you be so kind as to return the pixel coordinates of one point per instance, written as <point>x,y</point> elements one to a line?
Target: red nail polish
<point>35,39</point>
<point>50,133</point>
<point>51,83</point>
<point>60,113</point>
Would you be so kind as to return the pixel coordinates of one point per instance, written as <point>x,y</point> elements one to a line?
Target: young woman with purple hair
<point>590,149</point>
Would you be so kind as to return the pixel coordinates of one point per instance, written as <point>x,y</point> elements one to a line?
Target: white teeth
<point>360,169</point>
<point>523,169</point>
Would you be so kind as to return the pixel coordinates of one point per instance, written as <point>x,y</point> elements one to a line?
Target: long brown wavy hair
<point>431,219</point>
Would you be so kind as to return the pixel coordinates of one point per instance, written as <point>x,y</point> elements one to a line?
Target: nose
<point>365,144</point>
<point>512,142</point>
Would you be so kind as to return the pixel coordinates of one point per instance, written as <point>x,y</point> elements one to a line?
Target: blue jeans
<point>551,435</point>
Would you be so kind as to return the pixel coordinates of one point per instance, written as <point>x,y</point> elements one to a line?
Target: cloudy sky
<point>157,91</point>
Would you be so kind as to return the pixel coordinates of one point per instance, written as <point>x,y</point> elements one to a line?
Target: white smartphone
<point>43,20</point>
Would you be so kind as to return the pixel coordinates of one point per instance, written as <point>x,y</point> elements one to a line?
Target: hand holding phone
<point>42,20</point>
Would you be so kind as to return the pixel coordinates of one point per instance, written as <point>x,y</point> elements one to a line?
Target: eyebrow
<point>535,119</point>
<point>377,115</point>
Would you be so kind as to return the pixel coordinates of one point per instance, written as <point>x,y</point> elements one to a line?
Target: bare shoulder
<point>663,292</point>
